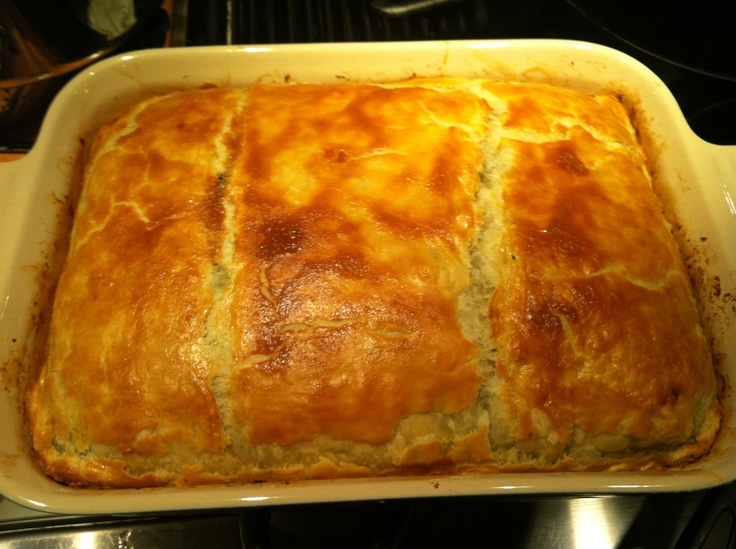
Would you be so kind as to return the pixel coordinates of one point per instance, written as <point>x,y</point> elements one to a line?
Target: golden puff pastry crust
<point>340,280</point>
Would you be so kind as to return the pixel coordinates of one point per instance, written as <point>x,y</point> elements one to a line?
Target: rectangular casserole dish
<point>695,181</point>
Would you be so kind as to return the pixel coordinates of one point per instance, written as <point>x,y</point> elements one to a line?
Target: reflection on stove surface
<point>602,522</point>
<point>654,521</point>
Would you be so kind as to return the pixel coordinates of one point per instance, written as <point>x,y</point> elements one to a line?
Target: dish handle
<point>14,170</point>
<point>722,160</point>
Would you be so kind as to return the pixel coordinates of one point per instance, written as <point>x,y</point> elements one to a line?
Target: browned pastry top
<point>305,281</point>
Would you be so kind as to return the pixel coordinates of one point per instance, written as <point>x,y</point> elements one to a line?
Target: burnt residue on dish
<point>28,350</point>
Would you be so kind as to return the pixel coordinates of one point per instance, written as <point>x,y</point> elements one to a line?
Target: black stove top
<point>705,87</point>
<point>677,521</point>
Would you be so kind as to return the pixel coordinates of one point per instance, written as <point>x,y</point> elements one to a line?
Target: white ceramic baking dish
<point>697,181</point>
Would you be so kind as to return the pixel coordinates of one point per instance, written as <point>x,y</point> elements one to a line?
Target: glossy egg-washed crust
<point>321,281</point>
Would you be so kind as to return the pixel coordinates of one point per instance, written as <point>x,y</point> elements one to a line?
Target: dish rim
<point>568,62</point>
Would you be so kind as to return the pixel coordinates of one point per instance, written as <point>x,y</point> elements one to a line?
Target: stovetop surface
<point>631,521</point>
<point>698,519</point>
